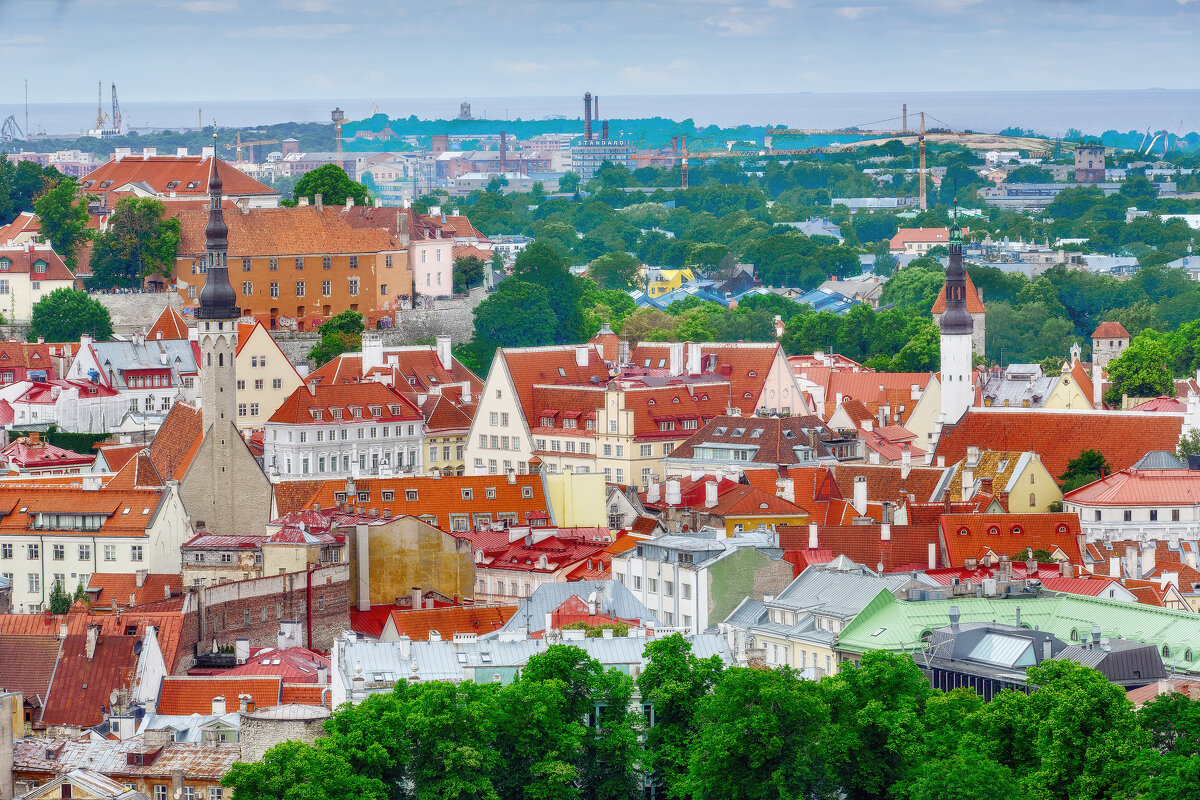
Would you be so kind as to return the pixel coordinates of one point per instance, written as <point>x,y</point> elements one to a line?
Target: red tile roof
<point>549,366</point>
<point>548,551</point>
<point>169,325</point>
<point>19,357</point>
<point>292,664</point>
<point>1188,687</point>
<point>118,455</point>
<point>24,261</point>
<point>138,473</point>
<point>27,664</point>
<point>1059,436</point>
<point>107,587</point>
<point>1110,330</point>
<point>978,535</point>
<point>32,452</point>
<point>974,303</point>
<point>1167,405</point>
<point>904,235</point>
<point>183,695</point>
<point>308,694</point>
<point>328,402</point>
<point>26,222</point>
<point>908,547</point>
<point>177,441</point>
<point>744,364</point>
<point>126,512</point>
<point>417,624</point>
<point>168,625</point>
<point>1130,487</point>
<point>157,172</point>
<point>82,686</point>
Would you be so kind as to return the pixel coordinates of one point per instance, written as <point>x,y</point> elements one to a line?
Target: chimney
<point>653,492</point>
<point>868,425</point>
<point>1147,559</point>
<point>1065,570</point>
<point>968,483</point>
<point>349,203</point>
<point>1131,561</point>
<point>604,130</point>
<point>1097,384</point>
<point>416,597</point>
<point>587,116</point>
<point>885,532</point>
<point>241,650</point>
<point>905,463</point>
<point>1004,569</point>
<point>503,152</point>
<point>710,494</point>
<point>140,577</point>
<point>955,616</point>
<point>93,638</point>
<point>675,363</point>
<point>694,354</point>
<point>972,460</point>
<point>970,564</point>
<point>317,201</point>
<point>322,675</point>
<point>1114,566</point>
<point>860,495</point>
<point>581,355</point>
<point>245,703</point>
<point>932,560</point>
<point>813,541</point>
<point>443,352</point>
<point>786,489</point>
<point>302,201</point>
<point>378,202</point>
<point>218,706</point>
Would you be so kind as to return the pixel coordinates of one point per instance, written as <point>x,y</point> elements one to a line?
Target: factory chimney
<point>503,153</point>
<point>604,130</point>
<point>587,116</point>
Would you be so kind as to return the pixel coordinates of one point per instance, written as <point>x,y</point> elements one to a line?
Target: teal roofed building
<point>902,626</point>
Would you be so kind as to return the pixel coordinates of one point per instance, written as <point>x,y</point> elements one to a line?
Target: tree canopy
<point>66,314</point>
<point>63,216</point>
<point>333,184</point>
<point>341,333</point>
<point>140,241</point>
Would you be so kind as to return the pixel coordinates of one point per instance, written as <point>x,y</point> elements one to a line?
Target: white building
<point>343,430</point>
<point>149,375</point>
<point>28,273</point>
<point>1157,498</point>
<point>957,328</point>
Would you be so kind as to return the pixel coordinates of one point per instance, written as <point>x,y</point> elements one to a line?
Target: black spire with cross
<point>956,319</point>
<point>217,298</point>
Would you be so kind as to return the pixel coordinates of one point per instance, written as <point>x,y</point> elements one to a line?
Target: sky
<point>365,49</point>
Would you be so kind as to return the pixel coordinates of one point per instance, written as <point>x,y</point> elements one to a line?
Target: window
<point>637,582</point>
<point>326,262</point>
<point>1175,515</point>
<point>647,450</point>
<point>326,288</point>
<point>247,288</point>
<point>387,260</point>
<point>241,385</point>
<point>353,262</point>
<point>685,591</point>
<point>607,450</point>
<point>1154,515</point>
<point>299,288</point>
<point>242,409</point>
<point>33,552</point>
<point>1128,515</point>
<point>160,791</point>
<point>110,552</point>
<point>35,581</point>
<point>59,552</point>
<point>668,588</point>
<point>6,551</point>
<point>354,287</point>
<point>245,265</point>
<point>274,289</point>
<point>277,383</point>
<point>135,552</point>
<point>666,425</point>
<point>274,264</point>
<point>85,552</point>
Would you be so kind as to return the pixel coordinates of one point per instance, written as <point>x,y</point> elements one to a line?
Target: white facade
<point>958,392</point>
<point>347,448</point>
<point>677,592</point>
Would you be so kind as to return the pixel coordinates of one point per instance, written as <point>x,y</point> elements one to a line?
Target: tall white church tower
<point>217,315</point>
<point>957,327</point>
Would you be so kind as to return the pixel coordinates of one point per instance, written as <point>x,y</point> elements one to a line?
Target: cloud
<point>210,6</point>
<point>293,32</point>
<point>520,67</point>
<point>780,4</point>
<point>738,23</point>
<point>310,6</point>
<point>856,12</point>
<point>947,6</point>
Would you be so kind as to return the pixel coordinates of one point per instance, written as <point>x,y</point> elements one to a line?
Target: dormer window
<point>356,412</point>
<point>337,413</point>
<point>395,410</point>
<point>191,184</point>
<point>172,184</point>
<point>316,414</point>
<point>468,493</point>
<point>5,264</point>
<point>376,410</point>
<point>104,184</point>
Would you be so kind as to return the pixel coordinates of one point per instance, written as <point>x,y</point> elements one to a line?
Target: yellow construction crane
<point>238,144</point>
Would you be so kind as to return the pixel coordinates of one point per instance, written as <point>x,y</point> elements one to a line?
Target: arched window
<point>1032,500</point>
<point>1074,635</point>
<point>964,531</point>
<point>994,531</point>
<point>210,359</point>
<point>1187,655</point>
<point>1017,530</point>
<point>1166,651</point>
<point>1062,528</point>
<point>220,359</point>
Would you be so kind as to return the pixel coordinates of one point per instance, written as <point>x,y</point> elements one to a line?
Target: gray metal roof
<point>177,354</point>
<point>836,592</point>
<point>614,597</point>
<point>1159,459</point>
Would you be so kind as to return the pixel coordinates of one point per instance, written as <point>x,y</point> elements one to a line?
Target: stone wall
<point>260,731</point>
<point>133,312</point>
<point>272,600</point>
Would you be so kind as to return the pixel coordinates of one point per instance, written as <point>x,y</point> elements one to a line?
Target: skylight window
<point>739,432</point>
<point>720,431</point>
<point>756,433</point>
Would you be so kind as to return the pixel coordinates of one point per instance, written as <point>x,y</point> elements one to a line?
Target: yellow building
<point>265,377</point>
<point>1021,476</point>
<point>576,499</point>
<point>659,281</point>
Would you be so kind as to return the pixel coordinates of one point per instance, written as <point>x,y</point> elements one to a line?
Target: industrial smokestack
<point>503,153</point>
<point>587,116</point>
<point>604,130</point>
<point>596,108</point>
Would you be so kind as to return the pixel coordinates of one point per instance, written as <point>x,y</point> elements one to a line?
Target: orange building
<point>293,268</point>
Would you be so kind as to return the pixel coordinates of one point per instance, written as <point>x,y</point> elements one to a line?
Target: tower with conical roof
<point>957,328</point>
<point>217,314</point>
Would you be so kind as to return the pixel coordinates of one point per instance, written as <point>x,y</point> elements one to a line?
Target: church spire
<point>956,320</point>
<point>217,299</point>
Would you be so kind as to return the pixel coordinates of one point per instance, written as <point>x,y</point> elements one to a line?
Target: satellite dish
<point>112,697</point>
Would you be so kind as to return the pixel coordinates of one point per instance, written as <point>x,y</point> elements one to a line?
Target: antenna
<point>27,106</point>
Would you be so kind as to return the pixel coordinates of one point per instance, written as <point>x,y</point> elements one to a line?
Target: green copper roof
<point>898,625</point>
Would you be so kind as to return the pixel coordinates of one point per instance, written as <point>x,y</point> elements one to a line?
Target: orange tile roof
<point>1110,330</point>
<point>1082,379</point>
<point>974,303</point>
<point>442,414</point>
<point>126,512</point>
<point>549,366</point>
<point>908,547</point>
<point>743,501</point>
<point>299,407</point>
<point>975,535</point>
<point>23,261</point>
<point>744,364</point>
<point>191,173</point>
<point>903,235</point>
<point>169,325</point>
<point>346,368</point>
<point>295,495</point>
<point>138,473</point>
<point>26,222</point>
<point>1059,436</point>
<point>417,624</point>
<point>118,455</point>
<point>182,695</point>
<point>20,356</point>
<point>436,497</point>
<point>107,587</point>
<point>177,441</point>
<point>301,230</point>
<point>308,694</point>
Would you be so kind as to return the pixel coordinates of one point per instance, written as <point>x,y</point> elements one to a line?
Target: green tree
<point>468,273</point>
<point>63,216</point>
<point>541,265</point>
<point>1189,444</point>
<point>496,184</point>
<point>1089,466</point>
<point>914,287</point>
<point>673,684</point>
<point>617,270</point>
<point>293,770</point>
<point>1143,370</point>
<point>1030,173</point>
<point>761,737</point>
<point>141,241</point>
<point>333,184</point>
<point>341,333</point>
<point>66,314</point>
<point>517,314</point>
<point>569,182</point>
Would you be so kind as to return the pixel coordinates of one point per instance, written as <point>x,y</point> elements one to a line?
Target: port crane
<point>10,130</point>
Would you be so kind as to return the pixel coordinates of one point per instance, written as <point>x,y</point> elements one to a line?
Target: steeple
<point>957,320</point>
<point>217,299</point>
